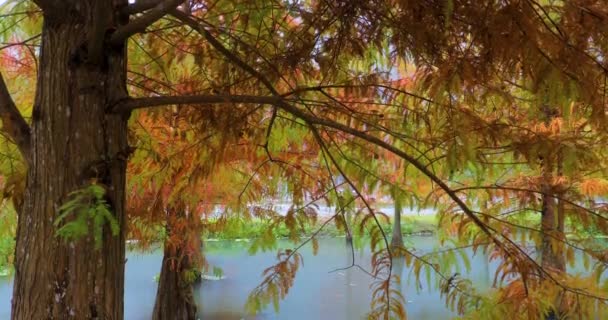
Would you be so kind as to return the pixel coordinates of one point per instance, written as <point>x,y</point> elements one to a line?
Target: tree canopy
<point>491,112</point>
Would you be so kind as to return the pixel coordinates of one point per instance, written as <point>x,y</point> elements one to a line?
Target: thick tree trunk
<point>397,239</point>
<point>73,143</point>
<point>179,271</point>
<point>174,298</point>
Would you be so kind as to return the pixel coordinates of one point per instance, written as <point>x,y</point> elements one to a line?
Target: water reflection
<point>317,292</point>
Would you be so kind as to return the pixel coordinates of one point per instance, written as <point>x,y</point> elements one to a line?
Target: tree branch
<point>311,119</point>
<point>139,103</point>
<point>387,146</point>
<point>140,24</point>
<point>13,124</point>
<point>279,102</point>
<point>140,6</point>
<point>50,7</point>
<point>276,100</point>
<point>192,23</point>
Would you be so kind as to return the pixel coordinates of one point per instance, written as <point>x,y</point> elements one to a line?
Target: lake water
<point>317,292</point>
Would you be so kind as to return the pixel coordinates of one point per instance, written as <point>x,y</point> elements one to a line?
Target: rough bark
<point>74,141</point>
<point>175,297</point>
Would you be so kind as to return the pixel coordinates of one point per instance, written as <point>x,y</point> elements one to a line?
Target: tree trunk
<point>179,271</point>
<point>174,298</point>
<point>550,256</point>
<point>561,216</point>
<point>551,212</point>
<point>552,229</point>
<point>349,235</point>
<point>73,144</point>
<point>552,216</point>
<point>397,239</point>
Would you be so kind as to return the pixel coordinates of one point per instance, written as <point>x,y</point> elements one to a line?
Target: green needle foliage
<point>86,211</point>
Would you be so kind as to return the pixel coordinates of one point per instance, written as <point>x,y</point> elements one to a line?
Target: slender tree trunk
<point>397,239</point>
<point>561,216</point>
<point>73,143</point>
<point>550,251</point>
<point>550,213</point>
<point>562,305</point>
<point>397,273</point>
<point>349,236</point>
<point>552,220</point>
<point>179,271</point>
<point>349,312</point>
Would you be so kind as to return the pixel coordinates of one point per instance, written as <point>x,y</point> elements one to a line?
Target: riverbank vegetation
<point>251,229</point>
<point>136,120</point>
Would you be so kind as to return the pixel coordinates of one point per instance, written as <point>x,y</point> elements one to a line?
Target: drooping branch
<point>281,103</point>
<point>13,124</point>
<point>326,153</point>
<point>278,101</point>
<point>324,122</point>
<point>387,146</point>
<point>488,230</point>
<point>141,23</point>
<point>313,120</point>
<point>138,103</point>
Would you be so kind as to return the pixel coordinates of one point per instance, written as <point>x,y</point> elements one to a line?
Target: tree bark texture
<point>175,296</point>
<point>74,142</point>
